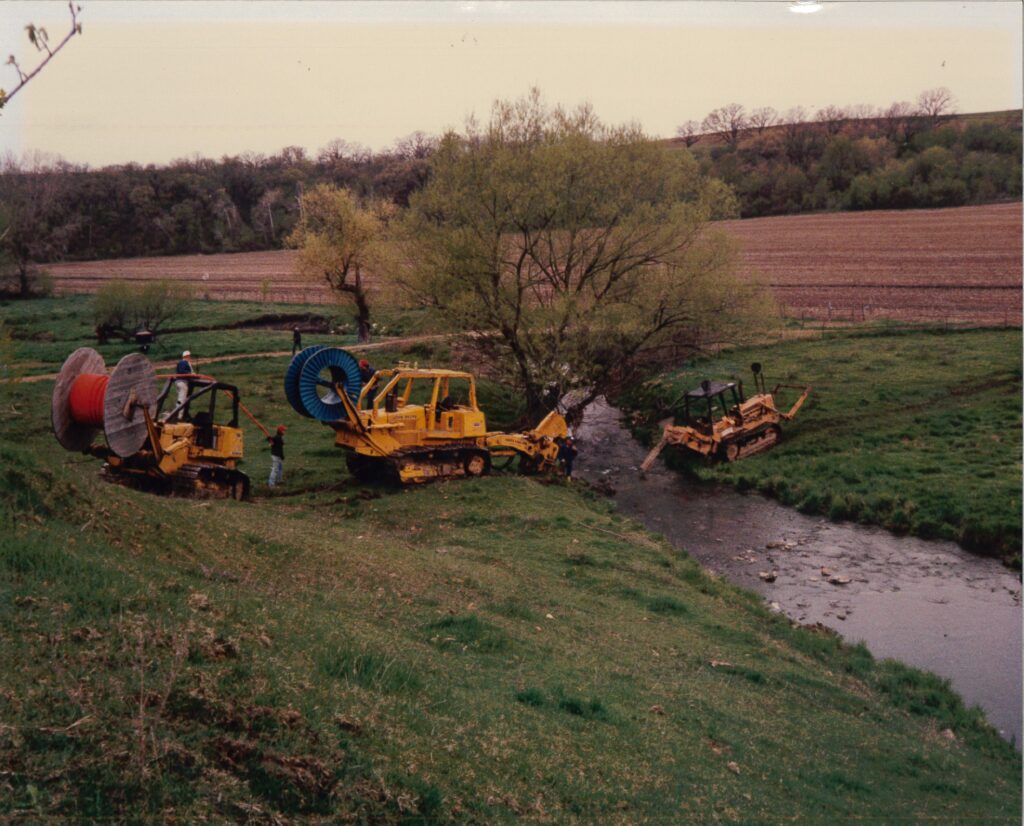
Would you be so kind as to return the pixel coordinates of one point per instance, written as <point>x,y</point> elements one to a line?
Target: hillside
<point>471,652</point>
<point>842,162</point>
<point>1006,117</point>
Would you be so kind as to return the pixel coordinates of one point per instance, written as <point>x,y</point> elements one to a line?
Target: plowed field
<point>945,265</point>
<point>912,265</point>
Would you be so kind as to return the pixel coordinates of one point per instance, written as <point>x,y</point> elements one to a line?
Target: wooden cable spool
<point>85,398</point>
<point>132,388</point>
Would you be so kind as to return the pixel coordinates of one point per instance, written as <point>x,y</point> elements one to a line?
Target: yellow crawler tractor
<point>151,443</point>
<point>410,424</point>
<point>720,424</point>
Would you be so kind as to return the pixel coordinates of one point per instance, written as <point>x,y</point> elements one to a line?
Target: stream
<point>929,604</point>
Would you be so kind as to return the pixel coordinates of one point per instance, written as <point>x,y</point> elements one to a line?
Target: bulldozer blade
<point>648,462</point>
<point>553,426</point>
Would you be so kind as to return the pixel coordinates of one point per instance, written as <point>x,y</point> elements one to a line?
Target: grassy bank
<point>471,651</point>
<point>918,432</point>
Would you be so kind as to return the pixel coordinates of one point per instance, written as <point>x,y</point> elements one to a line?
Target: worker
<point>184,368</point>
<point>296,340</point>
<point>567,455</point>
<point>365,370</point>
<point>276,456</point>
<point>443,406</point>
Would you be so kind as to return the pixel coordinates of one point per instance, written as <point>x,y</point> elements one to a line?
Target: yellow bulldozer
<point>721,424</point>
<point>152,442</point>
<point>409,424</point>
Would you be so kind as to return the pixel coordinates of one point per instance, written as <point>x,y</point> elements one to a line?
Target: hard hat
<point>364,363</point>
<point>186,354</point>
<point>281,428</point>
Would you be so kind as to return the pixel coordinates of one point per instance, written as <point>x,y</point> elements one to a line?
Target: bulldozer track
<point>758,443</point>
<point>452,461</point>
<point>209,482</point>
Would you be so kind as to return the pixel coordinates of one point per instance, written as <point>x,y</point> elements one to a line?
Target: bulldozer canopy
<point>713,389</point>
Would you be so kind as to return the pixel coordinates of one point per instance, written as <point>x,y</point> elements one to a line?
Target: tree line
<point>904,156</point>
<point>52,210</point>
<point>909,155</point>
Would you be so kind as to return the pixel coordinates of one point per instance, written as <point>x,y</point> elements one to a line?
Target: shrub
<point>120,309</point>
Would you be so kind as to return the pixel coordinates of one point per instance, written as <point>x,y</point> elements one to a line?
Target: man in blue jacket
<point>567,455</point>
<point>184,369</point>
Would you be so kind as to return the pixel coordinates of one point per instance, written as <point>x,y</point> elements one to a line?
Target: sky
<point>149,82</point>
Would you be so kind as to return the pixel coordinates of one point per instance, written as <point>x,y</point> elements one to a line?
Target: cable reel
<point>86,399</point>
<point>312,377</point>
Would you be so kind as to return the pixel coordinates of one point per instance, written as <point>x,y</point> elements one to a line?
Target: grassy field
<point>918,432</point>
<point>475,651</point>
<point>38,335</point>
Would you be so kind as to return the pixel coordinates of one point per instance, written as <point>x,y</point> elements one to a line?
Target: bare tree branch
<point>40,39</point>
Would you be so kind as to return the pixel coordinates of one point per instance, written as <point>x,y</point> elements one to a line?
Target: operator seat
<point>203,424</point>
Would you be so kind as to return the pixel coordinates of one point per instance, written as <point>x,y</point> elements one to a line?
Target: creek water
<point>931,605</point>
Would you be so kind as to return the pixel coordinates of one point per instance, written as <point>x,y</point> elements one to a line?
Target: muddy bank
<point>306,322</point>
<point>929,604</point>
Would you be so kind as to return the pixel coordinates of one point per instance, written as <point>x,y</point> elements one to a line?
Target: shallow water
<point>929,604</point>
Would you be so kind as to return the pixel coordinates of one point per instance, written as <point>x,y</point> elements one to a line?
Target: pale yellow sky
<point>149,82</point>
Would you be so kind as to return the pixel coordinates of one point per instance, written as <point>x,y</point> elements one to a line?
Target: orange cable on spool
<point>86,398</point>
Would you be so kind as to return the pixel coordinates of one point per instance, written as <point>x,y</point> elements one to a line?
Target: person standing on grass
<point>296,340</point>
<point>184,368</point>
<point>567,455</point>
<point>276,456</point>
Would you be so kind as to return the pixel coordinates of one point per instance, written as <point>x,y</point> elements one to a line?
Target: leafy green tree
<point>842,160</point>
<point>338,240</point>
<point>120,309</point>
<point>579,252</point>
<point>789,188</point>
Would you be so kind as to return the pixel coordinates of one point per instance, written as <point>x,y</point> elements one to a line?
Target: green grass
<point>918,432</point>
<point>474,651</point>
<point>44,331</point>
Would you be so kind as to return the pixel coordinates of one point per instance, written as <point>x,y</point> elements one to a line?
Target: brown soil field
<point>959,265</point>
<point>955,265</point>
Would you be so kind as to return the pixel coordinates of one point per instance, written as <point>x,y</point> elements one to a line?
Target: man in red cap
<point>276,456</point>
<point>365,370</point>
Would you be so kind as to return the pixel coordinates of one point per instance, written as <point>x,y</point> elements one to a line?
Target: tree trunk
<point>24,282</point>
<point>362,306</point>
<point>362,313</point>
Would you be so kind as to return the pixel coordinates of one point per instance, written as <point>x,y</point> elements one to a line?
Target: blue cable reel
<point>321,373</point>
<point>291,378</point>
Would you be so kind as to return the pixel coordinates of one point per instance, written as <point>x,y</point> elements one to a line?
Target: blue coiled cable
<point>341,368</point>
<point>291,378</point>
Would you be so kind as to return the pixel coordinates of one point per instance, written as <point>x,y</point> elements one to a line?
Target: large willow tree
<point>578,251</point>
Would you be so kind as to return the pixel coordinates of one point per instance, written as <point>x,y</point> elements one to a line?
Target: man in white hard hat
<point>184,368</point>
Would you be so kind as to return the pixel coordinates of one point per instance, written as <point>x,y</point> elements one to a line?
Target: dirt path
<point>355,348</point>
